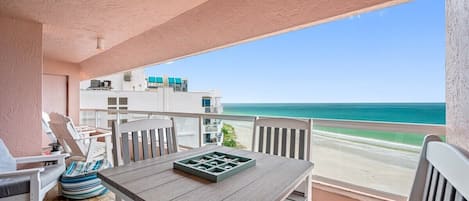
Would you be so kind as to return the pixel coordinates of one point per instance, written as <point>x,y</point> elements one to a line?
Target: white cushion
<point>7,162</point>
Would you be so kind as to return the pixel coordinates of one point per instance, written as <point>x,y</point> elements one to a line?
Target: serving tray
<point>214,166</point>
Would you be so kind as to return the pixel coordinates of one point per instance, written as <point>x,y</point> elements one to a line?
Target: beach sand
<point>357,161</point>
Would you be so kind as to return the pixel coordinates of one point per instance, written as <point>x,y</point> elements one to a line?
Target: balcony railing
<point>378,156</point>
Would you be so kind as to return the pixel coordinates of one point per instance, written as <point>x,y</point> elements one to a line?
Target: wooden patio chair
<point>150,137</point>
<point>442,173</point>
<point>28,184</point>
<point>289,138</point>
<point>80,144</point>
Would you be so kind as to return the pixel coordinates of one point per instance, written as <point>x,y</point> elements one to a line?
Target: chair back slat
<point>428,182</point>
<point>261,139</point>
<point>153,143</point>
<point>446,170</point>
<point>125,148</point>
<point>145,152</point>
<point>433,185</point>
<point>283,137</point>
<point>459,197</point>
<point>292,142</point>
<point>301,146</point>
<point>161,141</point>
<point>284,142</point>
<point>440,189</point>
<point>169,143</point>
<point>450,193</point>
<point>135,148</point>
<point>276,140</point>
<point>173,140</point>
<point>268,140</point>
<point>134,144</point>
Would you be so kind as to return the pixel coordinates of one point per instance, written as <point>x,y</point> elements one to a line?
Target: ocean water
<point>428,113</point>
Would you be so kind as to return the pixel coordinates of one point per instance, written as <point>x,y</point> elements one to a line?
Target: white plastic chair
<point>442,173</point>
<point>289,138</point>
<point>28,184</point>
<point>80,143</point>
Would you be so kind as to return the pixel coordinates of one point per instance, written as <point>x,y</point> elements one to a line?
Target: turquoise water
<point>429,113</point>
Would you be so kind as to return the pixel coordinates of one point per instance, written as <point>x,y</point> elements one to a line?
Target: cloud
<point>354,17</point>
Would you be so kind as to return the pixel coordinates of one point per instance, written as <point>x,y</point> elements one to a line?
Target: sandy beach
<point>374,164</point>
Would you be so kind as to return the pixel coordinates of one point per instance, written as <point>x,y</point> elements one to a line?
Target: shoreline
<point>370,163</point>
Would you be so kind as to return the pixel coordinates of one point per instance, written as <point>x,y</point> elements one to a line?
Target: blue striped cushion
<point>80,181</point>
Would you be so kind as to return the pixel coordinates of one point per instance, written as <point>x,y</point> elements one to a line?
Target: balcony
<point>49,46</point>
<point>347,162</point>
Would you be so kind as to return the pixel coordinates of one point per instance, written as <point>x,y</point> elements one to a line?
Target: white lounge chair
<point>80,144</point>
<point>45,127</point>
<point>28,184</point>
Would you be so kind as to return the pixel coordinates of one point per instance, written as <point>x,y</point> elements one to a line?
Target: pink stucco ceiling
<point>71,27</point>
<point>143,32</point>
<point>221,23</point>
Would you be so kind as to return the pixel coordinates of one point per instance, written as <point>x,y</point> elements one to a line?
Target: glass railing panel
<point>88,118</point>
<point>187,130</point>
<point>237,134</point>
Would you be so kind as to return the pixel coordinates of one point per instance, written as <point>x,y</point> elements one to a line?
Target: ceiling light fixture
<point>99,43</point>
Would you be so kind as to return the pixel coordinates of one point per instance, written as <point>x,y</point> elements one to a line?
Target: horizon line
<point>320,102</point>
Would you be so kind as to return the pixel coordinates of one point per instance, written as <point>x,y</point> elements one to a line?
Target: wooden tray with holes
<point>214,166</point>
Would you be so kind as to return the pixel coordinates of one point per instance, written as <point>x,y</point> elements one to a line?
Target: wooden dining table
<point>272,178</point>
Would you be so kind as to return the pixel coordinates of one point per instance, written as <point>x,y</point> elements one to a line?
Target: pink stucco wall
<point>20,81</point>
<point>71,70</point>
<point>457,73</point>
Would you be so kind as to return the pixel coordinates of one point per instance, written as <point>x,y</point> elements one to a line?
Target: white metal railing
<point>348,124</point>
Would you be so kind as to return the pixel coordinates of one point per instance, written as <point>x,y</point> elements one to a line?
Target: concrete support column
<point>457,72</point>
<point>21,86</point>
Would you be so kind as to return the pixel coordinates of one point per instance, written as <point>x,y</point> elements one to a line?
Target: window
<point>122,110</point>
<point>112,101</point>
<point>205,102</point>
<point>123,101</point>
<point>111,108</point>
<point>128,76</point>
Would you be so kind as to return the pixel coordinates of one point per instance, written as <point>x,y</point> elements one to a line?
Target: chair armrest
<point>84,127</point>
<point>86,131</point>
<point>42,158</point>
<point>96,136</point>
<point>24,172</point>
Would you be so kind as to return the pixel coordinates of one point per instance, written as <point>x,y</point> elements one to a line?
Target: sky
<point>396,54</point>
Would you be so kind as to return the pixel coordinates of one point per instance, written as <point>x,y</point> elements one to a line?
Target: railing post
<point>201,119</point>
<point>253,144</point>
<point>96,118</point>
<point>118,118</point>
<point>310,140</point>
